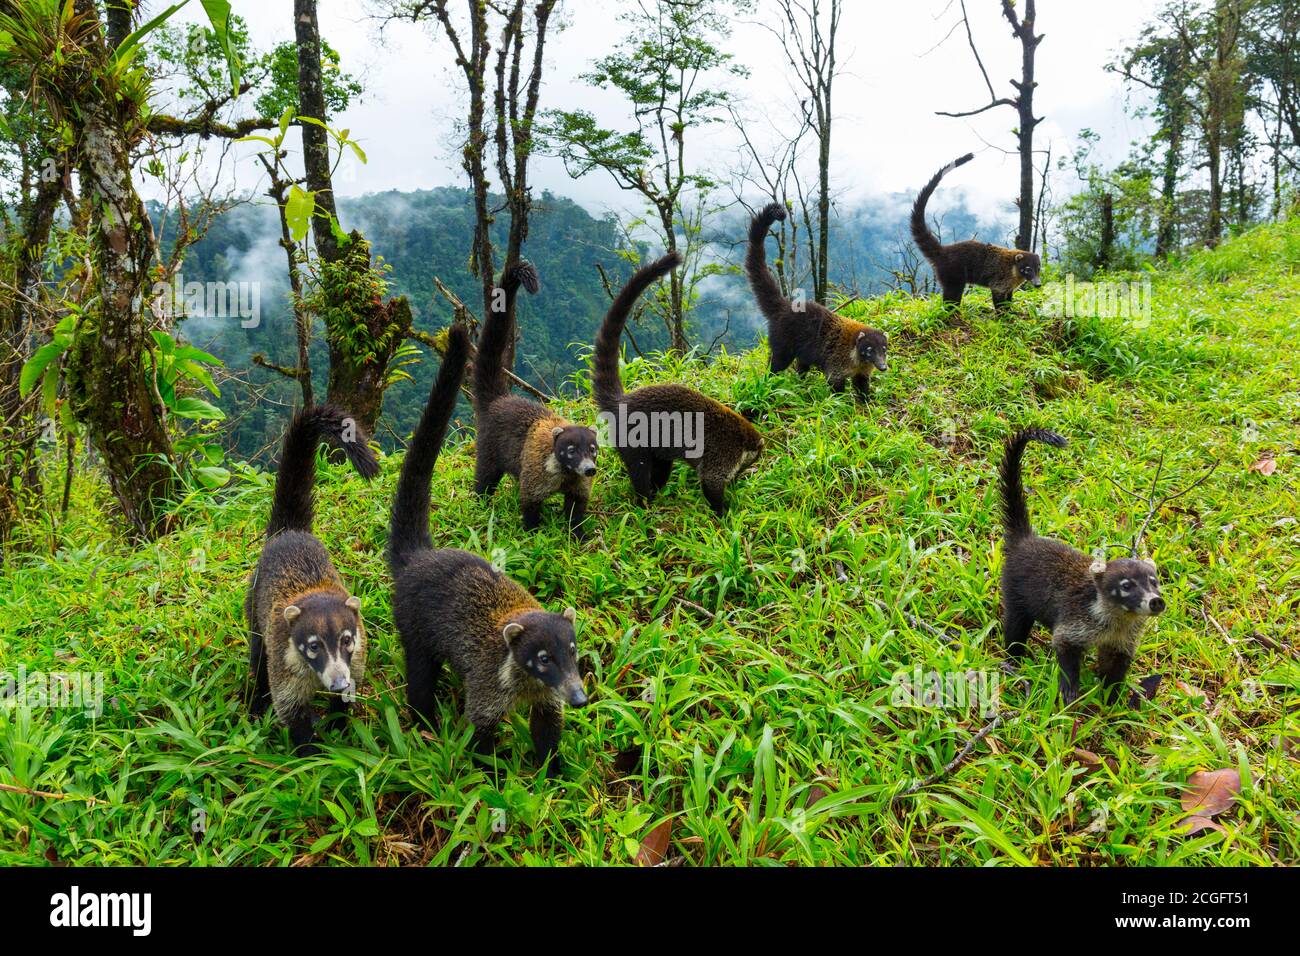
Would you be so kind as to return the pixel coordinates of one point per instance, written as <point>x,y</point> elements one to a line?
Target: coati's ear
<point>570,614</point>
<point>353,602</point>
<point>291,612</point>
<point>1019,256</point>
<point>1150,564</point>
<point>862,335</point>
<point>511,631</point>
<point>555,432</point>
<point>1098,566</point>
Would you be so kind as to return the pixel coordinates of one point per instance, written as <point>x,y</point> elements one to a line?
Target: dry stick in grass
<point>951,765</point>
<point>10,788</point>
<point>1154,506</point>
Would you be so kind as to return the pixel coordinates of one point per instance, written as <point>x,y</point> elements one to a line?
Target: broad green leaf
<point>197,408</point>
<point>127,50</point>
<point>35,366</point>
<point>211,476</point>
<point>219,16</point>
<point>297,211</point>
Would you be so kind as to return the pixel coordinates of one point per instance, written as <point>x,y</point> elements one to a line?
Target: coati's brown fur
<point>1000,270</point>
<point>1085,602</point>
<point>453,607</point>
<point>305,630</point>
<point>730,443</point>
<point>546,453</point>
<point>809,334</point>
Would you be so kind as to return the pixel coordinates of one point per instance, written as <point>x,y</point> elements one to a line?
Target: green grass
<point>741,669</point>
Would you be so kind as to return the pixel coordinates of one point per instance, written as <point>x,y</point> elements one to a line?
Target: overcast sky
<point>898,70</point>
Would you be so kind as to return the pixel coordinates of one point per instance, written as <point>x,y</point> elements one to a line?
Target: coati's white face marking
<point>1129,585</point>
<point>324,640</point>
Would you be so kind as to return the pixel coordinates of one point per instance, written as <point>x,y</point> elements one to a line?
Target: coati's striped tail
<point>767,293</point>
<point>295,479</point>
<point>408,530</point>
<point>490,381</point>
<point>1015,514</point>
<point>605,380</point>
<point>925,240</point>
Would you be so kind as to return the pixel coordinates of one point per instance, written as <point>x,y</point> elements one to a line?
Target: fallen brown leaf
<point>1289,744</point>
<point>1265,466</point>
<point>815,794</point>
<point>1196,823</point>
<point>1090,761</point>
<point>655,845</point>
<point>1210,792</point>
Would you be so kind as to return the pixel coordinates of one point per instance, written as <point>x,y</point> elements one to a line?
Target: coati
<point>305,632</point>
<point>641,420</point>
<point>1085,602</point>
<point>810,335</point>
<point>452,606</point>
<point>1000,270</point>
<point>546,453</point>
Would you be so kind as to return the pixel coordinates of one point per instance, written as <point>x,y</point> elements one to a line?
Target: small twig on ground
<point>1154,505</point>
<point>10,788</point>
<point>952,764</point>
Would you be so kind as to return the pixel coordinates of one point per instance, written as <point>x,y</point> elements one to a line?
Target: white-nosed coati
<point>809,334</point>
<point>546,453</point>
<point>1084,602</point>
<point>1000,270</point>
<point>453,607</point>
<point>305,630</point>
<point>641,420</point>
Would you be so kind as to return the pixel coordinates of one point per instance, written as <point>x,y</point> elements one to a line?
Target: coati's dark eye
<point>543,658</point>
<point>313,646</point>
<point>1126,585</point>
<point>346,642</point>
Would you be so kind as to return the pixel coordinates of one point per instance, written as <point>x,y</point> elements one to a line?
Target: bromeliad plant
<point>175,374</point>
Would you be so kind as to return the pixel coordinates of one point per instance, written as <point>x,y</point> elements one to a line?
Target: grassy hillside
<point>740,670</point>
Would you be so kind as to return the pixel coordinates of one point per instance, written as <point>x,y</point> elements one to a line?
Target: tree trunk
<point>1165,237</point>
<point>821,280</point>
<point>109,377</point>
<point>1025,134</point>
<point>315,139</point>
<point>1107,243</point>
<point>19,425</point>
<point>356,381</point>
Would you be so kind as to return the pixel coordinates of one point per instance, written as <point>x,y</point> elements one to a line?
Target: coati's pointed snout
<point>1156,605</point>
<point>340,684</point>
<point>882,364</point>
<point>589,471</point>
<point>577,696</point>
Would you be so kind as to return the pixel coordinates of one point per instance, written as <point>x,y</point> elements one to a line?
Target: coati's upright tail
<point>605,380</point>
<point>1015,514</point>
<point>295,479</point>
<point>766,291</point>
<point>408,529</point>
<point>925,240</point>
<point>490,380</point>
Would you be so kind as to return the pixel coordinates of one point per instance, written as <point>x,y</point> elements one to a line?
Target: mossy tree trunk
<point>358,377</point>
<point>108,366</point>
<point>20,425</point>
